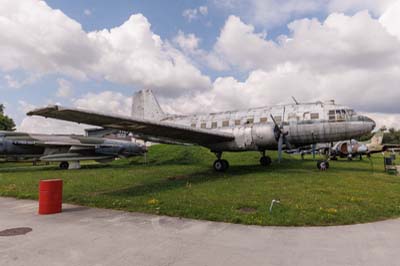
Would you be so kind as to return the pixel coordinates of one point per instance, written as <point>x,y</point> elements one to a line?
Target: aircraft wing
<point>161,131</point>
<point>391,146</point>
<point>50,143</point>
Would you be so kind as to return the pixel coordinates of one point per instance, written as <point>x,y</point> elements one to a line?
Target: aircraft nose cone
<point>370,122</point>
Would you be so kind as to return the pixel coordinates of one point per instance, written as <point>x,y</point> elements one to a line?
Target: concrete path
<point>84,236</point>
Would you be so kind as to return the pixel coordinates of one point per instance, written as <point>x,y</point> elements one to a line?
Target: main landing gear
<point>265,160</point>
<point>220,165</point>
<point>64,165</point>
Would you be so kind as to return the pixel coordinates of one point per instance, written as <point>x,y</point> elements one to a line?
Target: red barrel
<point>50,196</point>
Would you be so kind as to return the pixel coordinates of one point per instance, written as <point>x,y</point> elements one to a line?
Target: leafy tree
<point>365,137</point>
<point>6,123</point>
<point>392,136</point>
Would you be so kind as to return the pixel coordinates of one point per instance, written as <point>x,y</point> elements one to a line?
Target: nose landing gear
<point>220,165</point>
<point>323,165</point>
<point>265,160</point>
<point>64,165</point>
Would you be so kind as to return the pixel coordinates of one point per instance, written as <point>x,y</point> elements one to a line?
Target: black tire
<point>225,164</point>
<point>219,166</point>
<point>64,165</point>
<point>265,161</point>
<point>323,165</point>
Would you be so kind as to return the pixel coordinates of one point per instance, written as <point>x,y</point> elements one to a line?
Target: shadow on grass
<point>166,183</point>
<point>175,182</point>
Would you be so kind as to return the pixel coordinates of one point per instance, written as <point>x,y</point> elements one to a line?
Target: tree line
<point>6,123</point>
<point>392,136</point>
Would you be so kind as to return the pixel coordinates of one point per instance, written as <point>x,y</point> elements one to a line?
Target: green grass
<point>179,181</point>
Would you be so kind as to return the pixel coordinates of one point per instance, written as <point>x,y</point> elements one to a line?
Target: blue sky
<point>166,20</point>
<point>240,50</point>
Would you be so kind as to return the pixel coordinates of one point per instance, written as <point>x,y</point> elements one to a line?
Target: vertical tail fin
<point>377,138</point>
<point>146,106</point>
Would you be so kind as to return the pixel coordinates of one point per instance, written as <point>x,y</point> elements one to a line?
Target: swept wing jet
<point>352,148</point>
<point>69,150</point>
<point>256,129</point>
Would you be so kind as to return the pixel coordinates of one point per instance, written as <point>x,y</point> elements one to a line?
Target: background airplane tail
<point>146,106</point>
<point>377,138</point>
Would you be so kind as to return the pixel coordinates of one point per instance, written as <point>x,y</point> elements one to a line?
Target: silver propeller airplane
<point>257,129</point>
<point>69,150</point>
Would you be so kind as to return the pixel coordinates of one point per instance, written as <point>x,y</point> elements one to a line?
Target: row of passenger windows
<point>226,123</point>
<point>263,120</point>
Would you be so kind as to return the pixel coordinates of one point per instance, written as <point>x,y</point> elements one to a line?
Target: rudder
<point>377,138</point>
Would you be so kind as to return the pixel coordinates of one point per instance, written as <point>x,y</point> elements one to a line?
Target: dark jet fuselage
<point>18,146</point>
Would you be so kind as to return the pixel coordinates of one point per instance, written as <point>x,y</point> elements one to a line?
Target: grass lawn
<point>180,181</point>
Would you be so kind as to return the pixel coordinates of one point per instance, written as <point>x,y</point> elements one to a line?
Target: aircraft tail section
<point>146,106</point>
<point>377,138</point>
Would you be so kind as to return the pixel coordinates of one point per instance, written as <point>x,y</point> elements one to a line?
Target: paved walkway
<point>85,236</point>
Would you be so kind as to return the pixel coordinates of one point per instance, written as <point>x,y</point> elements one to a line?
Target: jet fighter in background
<point>69,150</point>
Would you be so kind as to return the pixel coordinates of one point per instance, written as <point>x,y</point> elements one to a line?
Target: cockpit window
<point>340,114</point>
<point>350,112</point>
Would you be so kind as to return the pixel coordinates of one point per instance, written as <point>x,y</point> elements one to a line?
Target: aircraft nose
<point>371,123</point>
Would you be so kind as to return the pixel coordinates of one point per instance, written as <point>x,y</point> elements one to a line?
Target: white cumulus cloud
<point>272,13</point>
<point>64,89</point>
<point>195,13</point>
<point>41,40</point>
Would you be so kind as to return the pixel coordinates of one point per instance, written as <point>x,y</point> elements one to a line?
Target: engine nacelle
<point>263,135</point>
<point>256,137</point>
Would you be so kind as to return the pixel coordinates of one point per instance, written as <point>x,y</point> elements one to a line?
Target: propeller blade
<point>287,143</point>
<point>314,147</point>
<point>280,143</point>
<point>273,120</point>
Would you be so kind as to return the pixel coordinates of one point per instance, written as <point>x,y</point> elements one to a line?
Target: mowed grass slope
<point>180,181</point>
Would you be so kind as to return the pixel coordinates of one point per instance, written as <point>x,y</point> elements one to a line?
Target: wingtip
<point>39,111</point>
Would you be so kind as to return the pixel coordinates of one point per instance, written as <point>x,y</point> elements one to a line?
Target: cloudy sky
<point>198,56</point>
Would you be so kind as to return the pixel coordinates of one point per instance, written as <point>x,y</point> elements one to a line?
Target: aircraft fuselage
<point>17,146</point>
<point>306,124</point>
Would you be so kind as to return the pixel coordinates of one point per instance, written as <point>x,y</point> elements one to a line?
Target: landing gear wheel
<point>221,165</point>
<point>265,161</point>
<point>64,165</point>
<point>226,164</point>
<point>323,165</point>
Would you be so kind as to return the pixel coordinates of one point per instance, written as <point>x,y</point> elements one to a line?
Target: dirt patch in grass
<point>247,209</point>
<point>178,177</point>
